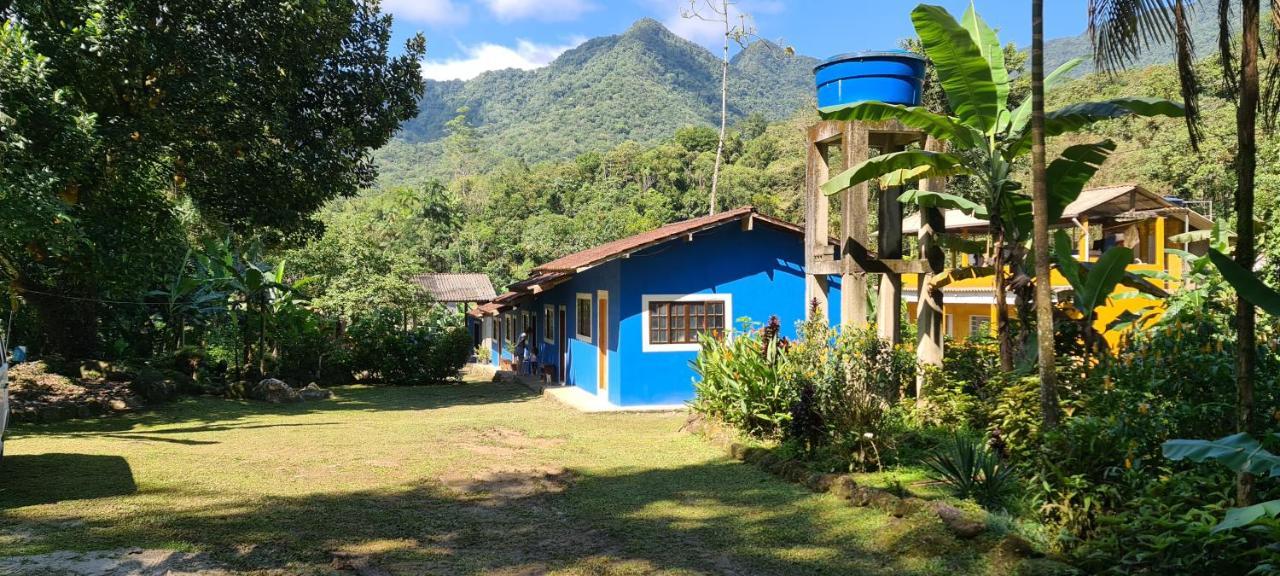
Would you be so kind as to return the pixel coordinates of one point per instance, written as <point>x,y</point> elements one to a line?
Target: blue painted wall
<point>761,270</point>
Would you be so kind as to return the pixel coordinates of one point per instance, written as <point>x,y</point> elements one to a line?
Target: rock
<point>1044,567</point>
<point>94,369</point>
<point>821,482</point>
<point>884,502</point>
<point>737,451</point>
<point>843,487</point>
<point>861,496</point>
<point>314,392</point>
<point>793,470</point>
<point>275,392</point>
<point>753,454</point>
<point>960,524</point>
<point>1016,546</point>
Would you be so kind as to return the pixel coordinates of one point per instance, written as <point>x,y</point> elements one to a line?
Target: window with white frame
<point>950,326</point>
<point>582,317</point>
<point>548,326</point>
<point>673,323</point>
<point>979,326</point>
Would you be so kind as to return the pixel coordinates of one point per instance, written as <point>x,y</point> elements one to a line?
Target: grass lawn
<point>478,478</point>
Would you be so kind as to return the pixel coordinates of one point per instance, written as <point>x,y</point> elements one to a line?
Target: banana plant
<point>1242,454</point>
<point>985,136</point>
<point>1091,285</point>
<point>188,298</point>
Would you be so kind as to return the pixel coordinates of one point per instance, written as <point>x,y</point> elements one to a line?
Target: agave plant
<point>973,470</point>
<point>985,137</point>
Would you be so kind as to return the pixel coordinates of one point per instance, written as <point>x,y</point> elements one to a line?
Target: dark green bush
<point>384,349</point>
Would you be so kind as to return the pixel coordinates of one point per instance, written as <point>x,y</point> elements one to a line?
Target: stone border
<point>961,524</point>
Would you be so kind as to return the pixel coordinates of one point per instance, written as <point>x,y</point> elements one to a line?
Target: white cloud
<point>483,57</point>
<point>428,11</point>
<point>546,10</point>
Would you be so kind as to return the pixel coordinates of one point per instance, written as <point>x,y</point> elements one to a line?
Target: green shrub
<point>974,471</point>
<point>1166,528</point>
<point>383,348</point>
<point>740,381</point>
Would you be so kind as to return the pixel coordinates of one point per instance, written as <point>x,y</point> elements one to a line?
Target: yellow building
<point>1099,219</point>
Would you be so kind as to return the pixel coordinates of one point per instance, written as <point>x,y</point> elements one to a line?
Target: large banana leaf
<point>1237,517</point>
<point>991,50</point>
<point>1102,278</point>
<point>1246,284</point>
<point>1022,115</point>
<point>897,168</point>
<point>1066,176</point>
<point>1239,452</point>
<point>964,74</point>
<point>1076,116</point>
<point>931,199</point>
<point>941,127</point>
<point>1067,264</point>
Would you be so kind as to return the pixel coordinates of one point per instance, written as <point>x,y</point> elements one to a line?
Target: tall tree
<point>1040,225</point>
<point>719,12</point>
<point>253,114</point>
<point>1121,30</point>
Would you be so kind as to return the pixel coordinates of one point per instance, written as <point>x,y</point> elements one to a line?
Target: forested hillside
<point>510,215</point>
<point>637,86</point>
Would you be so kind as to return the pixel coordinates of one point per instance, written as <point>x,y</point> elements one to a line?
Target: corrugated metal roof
<point>1106,202</point>
<point>454,288</point>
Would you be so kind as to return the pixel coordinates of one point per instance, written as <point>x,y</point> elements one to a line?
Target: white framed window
<point>582,317</point>
<point>979,326</point>
<point>549,324</point>
<point>674,322</point>
<point>949,327</point>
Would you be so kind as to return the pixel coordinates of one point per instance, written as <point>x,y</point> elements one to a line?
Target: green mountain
<point>1203,18</point>
<point>640,85</point>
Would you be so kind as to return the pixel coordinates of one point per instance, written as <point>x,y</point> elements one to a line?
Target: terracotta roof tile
<point>610,250</point>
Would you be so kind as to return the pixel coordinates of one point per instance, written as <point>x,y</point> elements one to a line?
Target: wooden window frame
<point>590,317</point>
<point>647,345</point>
<point>549,328</point>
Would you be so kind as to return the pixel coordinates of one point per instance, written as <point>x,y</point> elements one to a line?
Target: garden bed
<point>39,394</point>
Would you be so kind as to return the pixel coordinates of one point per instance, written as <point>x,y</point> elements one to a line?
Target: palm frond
<point>1121,30</point>
<point>1224,47</point>
<point>1185,58</point>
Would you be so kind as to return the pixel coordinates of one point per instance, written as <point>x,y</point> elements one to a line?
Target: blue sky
<point>467,37</point>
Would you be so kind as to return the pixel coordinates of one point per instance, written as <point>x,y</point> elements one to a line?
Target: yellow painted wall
<point>1154,258</point>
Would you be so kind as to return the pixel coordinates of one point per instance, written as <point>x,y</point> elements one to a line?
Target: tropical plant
<point>1121,30</point>
<point>741,382</point>
<point>985,138</point>
<point>1242,454</point>
<point>1091,286</point>
<point>972,470</point>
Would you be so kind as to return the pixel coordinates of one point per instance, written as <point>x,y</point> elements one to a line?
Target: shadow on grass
<point>718,517</point>
<point>209,414</point>
<point>27,480</point>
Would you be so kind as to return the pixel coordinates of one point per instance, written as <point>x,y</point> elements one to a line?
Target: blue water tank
<point>893,76</point>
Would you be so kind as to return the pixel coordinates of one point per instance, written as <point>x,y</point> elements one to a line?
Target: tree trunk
<point>1003,329</point>
<point>68,318</point>
<point>1040,225</point>
<point>724,108</point>
<point>1246,161</point>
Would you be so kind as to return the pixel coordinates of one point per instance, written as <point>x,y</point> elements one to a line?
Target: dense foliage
<point>130,129</point>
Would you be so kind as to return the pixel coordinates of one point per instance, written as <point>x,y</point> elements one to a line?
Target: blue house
<point>621,320</point>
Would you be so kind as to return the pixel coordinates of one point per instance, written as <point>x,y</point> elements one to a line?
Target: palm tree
<point>1122,29</point>
<point>1040,225</point>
